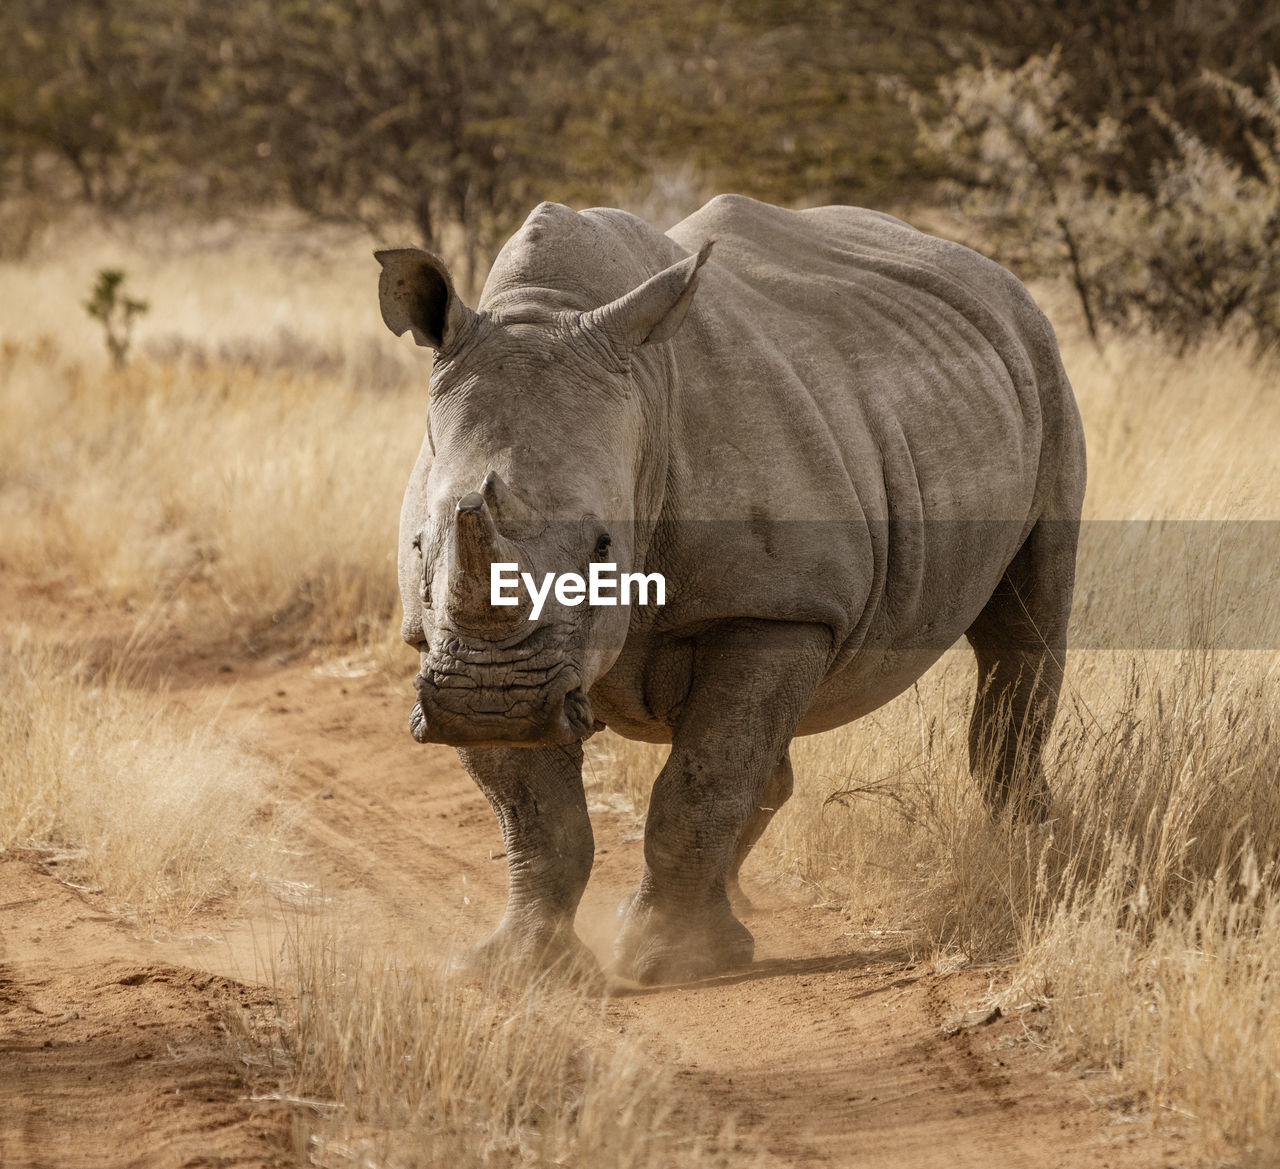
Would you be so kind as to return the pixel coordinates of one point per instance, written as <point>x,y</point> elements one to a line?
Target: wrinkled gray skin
<point>853,446</point>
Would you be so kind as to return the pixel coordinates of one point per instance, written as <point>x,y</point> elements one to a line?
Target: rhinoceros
<point>842,442</point>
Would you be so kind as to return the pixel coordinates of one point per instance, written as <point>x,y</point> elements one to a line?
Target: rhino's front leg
<point>537,795</point>
<point>752,683</point>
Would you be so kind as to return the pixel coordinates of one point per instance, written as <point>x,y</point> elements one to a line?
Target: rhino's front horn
<point>475,545</point>
<point>475,536</point>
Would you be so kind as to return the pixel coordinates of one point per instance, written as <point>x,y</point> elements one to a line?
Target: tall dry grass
<point>157,810</point>
<point>1157,946</point>
<point>405,1062</point>
<point>244,469</point>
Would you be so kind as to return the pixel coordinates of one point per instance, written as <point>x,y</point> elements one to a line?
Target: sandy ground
<point>832,1049</point>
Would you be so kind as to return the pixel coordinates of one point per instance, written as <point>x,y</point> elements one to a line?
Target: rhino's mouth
<point>482,694</point>
<point>577,722</point>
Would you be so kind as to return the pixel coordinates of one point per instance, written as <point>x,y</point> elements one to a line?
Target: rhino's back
<point>854,396</point>
<point>855,321</point>
<point>782,253</point>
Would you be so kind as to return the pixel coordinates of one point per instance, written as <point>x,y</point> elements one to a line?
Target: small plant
<point>117,312</point>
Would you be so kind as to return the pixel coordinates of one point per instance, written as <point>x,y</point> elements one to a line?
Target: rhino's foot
<point>666,946</point>
<point>1027,803</point>
<point>514,956</point>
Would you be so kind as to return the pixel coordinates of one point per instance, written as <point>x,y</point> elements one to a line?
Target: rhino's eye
<point>603,544</point>
<point>417,541</point>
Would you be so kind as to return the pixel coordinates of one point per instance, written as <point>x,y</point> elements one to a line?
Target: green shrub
<point>116,312</point>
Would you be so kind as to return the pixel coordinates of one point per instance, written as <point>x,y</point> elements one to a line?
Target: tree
<point>429,112</point>
<point>1194,253</point>
<point>1138,64</point>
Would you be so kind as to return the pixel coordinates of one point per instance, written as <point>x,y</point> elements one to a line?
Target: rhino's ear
<point>654,311</point>
<point>416,293</point>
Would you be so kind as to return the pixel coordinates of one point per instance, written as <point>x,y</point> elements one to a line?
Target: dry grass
<point>408,1064</point>
<point>244,469</point>
<point>158,811</point>
<point>619,772</point>
<point>1180,1006</point>
<point>1158,947</point>
<point>246,500</point>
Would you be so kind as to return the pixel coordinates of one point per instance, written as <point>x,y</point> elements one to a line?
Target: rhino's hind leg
<point>537,796</point>
<point>1020,640</point>
<point>752,683</point>
<point>776,793</point>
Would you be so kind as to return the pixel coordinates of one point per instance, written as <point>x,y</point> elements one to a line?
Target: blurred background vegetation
<point>1132,147</point>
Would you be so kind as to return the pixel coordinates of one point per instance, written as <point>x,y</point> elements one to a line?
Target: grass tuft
<point>157,810</point>
<point>407,1063</point>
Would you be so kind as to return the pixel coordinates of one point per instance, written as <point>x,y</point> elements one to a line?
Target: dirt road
<point>830,1050</point>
